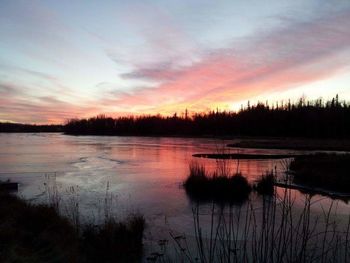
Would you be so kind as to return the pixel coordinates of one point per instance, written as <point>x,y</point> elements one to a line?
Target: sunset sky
<point>73,59</point>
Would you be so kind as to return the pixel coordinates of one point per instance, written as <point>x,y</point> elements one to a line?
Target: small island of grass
<point>266,184</point>
<point>204,186</point>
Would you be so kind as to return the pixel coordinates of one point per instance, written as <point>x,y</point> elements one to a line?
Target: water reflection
<point>145,173</point>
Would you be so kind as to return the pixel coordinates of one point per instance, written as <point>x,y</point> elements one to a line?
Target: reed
<point>110,240</point>
<point>277,230</point>
<point>274,227</point>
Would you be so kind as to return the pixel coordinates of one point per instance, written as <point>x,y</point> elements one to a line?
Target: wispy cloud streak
<point>135,58</point>
<point>295,53</point>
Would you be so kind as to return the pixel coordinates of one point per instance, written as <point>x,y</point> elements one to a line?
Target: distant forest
<point>17,127</point>
<point>315,119</point>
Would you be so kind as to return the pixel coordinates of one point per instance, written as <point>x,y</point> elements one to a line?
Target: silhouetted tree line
<point>301,119</point>
<point>17,127</point>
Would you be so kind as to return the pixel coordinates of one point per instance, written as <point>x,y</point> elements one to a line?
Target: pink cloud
<point>18,107</point>
<point>291,55</point>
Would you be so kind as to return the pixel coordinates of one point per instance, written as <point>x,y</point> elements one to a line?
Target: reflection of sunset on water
<point>146,173</point>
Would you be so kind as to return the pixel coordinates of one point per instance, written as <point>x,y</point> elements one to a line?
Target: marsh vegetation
<point>266,184</point>
<point>220,185</point>
<point>275,231</point>
<point>224,184</point>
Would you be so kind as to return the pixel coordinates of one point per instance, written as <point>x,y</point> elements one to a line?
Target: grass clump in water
<point>265,184</point>
<point>218,186</point>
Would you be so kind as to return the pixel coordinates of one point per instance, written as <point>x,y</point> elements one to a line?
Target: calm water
<point>144,173</point>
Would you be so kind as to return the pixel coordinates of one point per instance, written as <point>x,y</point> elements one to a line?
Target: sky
<point>76,59</point>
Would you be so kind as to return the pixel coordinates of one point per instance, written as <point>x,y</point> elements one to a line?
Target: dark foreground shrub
<point>31,233</point>
<point>37,233</point>
<point>114,241</point>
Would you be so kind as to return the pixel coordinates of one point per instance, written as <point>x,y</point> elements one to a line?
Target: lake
<point>144,174</point>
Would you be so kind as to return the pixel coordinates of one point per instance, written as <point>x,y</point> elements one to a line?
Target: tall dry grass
<point>276,228</point>
<point>110,240</point>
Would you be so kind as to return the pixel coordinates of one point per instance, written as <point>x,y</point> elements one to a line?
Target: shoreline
<point>314,190</point>
<point>239,156</point>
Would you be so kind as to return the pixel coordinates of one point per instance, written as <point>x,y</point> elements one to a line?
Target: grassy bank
<point>328,171</point>
<point>38,233</point>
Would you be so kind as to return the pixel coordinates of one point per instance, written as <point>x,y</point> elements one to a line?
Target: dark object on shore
<point>323,170</point>
<point>201,186</point>
<point>266,184</point>
<point>242,156</point>
<point>8,186</point>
